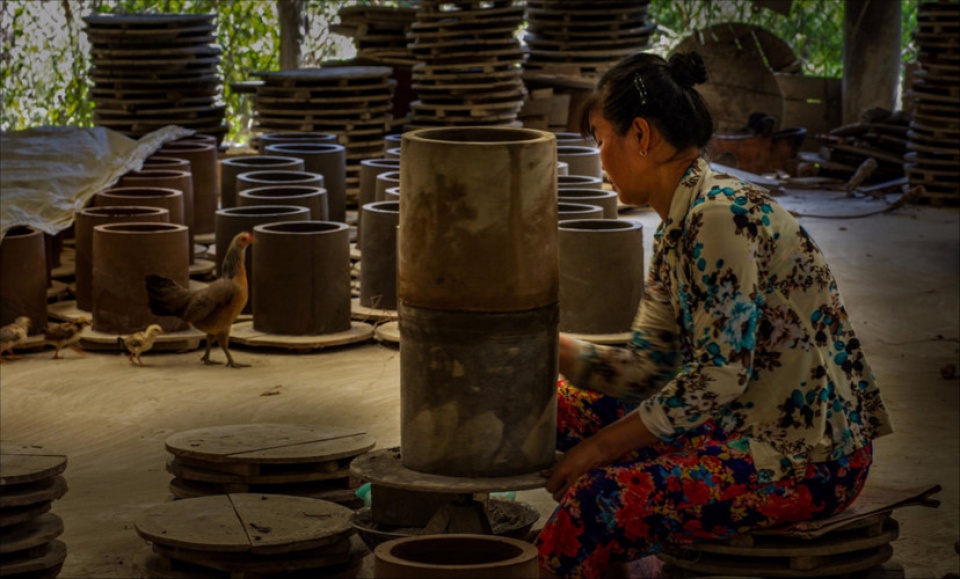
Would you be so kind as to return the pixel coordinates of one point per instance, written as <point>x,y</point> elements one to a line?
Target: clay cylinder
<point>462,556</point>
<point>169,199</point>
<point>268,178</point>
<point>233,220</point>
<point>392,194</point>
<point>173,163</point>
<point>563,168</point>
<point>579,182</point>
<point>607,200</point>
<point>86,220</point>
<point>567,211</point>
<point>393,140</point>
<point>233,166</point>
<point>393,153</point>
<point>386,181</point>
<point>123,255</point>
<point>478,204</point>
<point>206,179</point>
<point>367,192</point>
<point>581,160</point>
<point>378,276</point>
<point>23,277</point>
<point>565,139</point>
<point>327,159</point>
<point>303,278</point>
<point>601,275</point>
<point>268,139</point>
<point>313,198</point>
<point>169,179</point>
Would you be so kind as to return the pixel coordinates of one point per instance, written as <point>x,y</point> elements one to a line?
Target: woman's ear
<point>642,130</point>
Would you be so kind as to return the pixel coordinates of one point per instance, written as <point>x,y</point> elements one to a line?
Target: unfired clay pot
<point>169,179</point>
<point>578,211</point>
<point>367,193</point>
<point>327,159</point>
<point>392,194</point>
<point>268,178</point>
<point>206,179</point>
<point>378,276</point>
<point>565,139</point>
<point>86,220</point>
<point>393,153</point>
<point>313,198</point>
<point>455,556</point>
<point>303,278</point>
<point>599,197</point>
<point>268,139</point>
<point>233,166</point>
<point>169,199</point>
<point>123,255</point>
<point>573,181</point>
<point>386,181</point>
<point>23,277</point>
<point>581,160</point>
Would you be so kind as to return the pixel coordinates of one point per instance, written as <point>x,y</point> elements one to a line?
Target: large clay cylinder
<point>479,204</point>
<point>206,179</point>
<point>88,218</point>
<point>302,287</point>
<point>233,166</point>
<point>173,163</point>
<point>327,159</point>
<point>169,179</point>
<point>367,192</point>
<point>573,181</point>
<point>567,211</point>
<point>378,276</point>
<point>313,198</point>
<point>123,255</point>
<point>385,181</point>
<point>268,139</point>
<point>607,200</point>
<point>461,556</point>
<point>581,160</point>
<point>267,178</point>
<point>23,277</point>
<point>601,275</point>
<point>233,220</point>
<point>169,199</point>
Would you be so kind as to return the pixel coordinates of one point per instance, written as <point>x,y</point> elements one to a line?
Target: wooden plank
<point>832,566</point>
<point>47,565</point>
<point>38,531</point>
<point>316,560</point>
<point>32,493</point>
<point>281,524</point>
<point>199,474</point>
<point>15,515</point>
<point>24,468</point>
<point>269,443</point>
<point>205,523</point>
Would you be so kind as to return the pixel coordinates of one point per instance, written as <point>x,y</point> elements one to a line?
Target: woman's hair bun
<point>687,69</point>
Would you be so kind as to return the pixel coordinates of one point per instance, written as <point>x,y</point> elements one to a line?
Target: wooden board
<point>340,491</point>
<point>33,533</point>
<point>16,515</point>
<point>344,551</point>
<point>246,335</point>
<point>47,565</point>
<point>25,468</point>
<point>183,471</point>
<point>31,493</point>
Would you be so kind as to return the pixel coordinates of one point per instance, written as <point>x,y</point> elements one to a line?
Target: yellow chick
<point>13,333</point>
<point>66,335</point>
<point>140,342</point>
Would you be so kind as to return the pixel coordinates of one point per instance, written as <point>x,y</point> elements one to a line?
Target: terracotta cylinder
<point>378,276</point>
<point>169,199</point>
<point>392,194</point>
<point>578,211</point>
<point>386,181</point>
<point>23,277</point>
<point>123,255</point>
<point>573,139</point>
<point>393,153</point>
<point>478,204</point>
<point>461,556</point>
<point>169,179</point>
<point>233,166</point>
<point>327,159</point>
<point>367,192</point>
<point>313,198</point>
<point>303,278</point>
<point>206,180</point>
<point>601,275</point>
<point>579,182</point>
<point>582,160</point>
<point>233,220</point>
<point>269,178</point>
<point>86,220</point>
<point>607,200</point>
<point>267,139</point>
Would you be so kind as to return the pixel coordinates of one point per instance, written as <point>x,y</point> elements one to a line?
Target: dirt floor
<point>899,274</point>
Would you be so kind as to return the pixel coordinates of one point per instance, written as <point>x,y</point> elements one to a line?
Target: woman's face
<point>619,157</point>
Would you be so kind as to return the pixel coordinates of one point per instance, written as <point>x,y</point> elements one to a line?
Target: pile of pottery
<point>584,37</point>
<point>934,136</point>
<point>154,70</point>
<point>379,32</point>
<point>470,63</point>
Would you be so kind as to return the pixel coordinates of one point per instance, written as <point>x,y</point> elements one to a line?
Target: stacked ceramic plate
<point>470,63</point>
<point>153,70</point>
<point>584,37</point>
<point>380,32</point>
<point>933,160</point>
<point>353,102</point>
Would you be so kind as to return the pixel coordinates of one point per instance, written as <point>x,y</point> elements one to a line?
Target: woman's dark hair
<point>645,85</point>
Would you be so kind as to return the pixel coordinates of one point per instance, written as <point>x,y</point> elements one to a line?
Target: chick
<point>13,333</point>
<point>140,342</point>
<point>66,335</point>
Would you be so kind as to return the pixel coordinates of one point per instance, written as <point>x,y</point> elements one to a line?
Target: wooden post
<point>871,56</point>
<point>291,32</point>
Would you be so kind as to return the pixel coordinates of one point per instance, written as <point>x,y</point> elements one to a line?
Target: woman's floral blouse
<point>741,321</point>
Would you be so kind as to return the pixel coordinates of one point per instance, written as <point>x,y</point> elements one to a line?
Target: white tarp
<point>47,174</point>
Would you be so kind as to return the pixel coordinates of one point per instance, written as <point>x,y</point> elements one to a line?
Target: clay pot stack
<point>354,103</point>
<point>153,70</point>
<point>933,160</point>
<point>470,63</point>
<point>379,32</point>
<point>584,37</point>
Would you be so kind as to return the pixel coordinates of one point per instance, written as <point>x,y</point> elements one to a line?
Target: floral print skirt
<point>702,486</point>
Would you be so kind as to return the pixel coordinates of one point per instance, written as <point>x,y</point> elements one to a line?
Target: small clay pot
<point>459,555</point>
<point>168,179</point>
<point>206,179</point>
<point>267,178</point>
<point>267,139</point>
<point>233,166</point>
<point>233,220</point>
<point>579,182</point>
<point>23,277</point>
<point>124,254</point>
<point>313,198</point>
<point>302,286</point>
<point>601,197</point>
<point>327,159</point>
<point>169,199</point>
<point>378,276</point>
<point>386,181</point>
<point>582,160</point>
<point>86,220</point>
<point>566,211</point>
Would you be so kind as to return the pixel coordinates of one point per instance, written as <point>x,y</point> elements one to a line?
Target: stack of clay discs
<point>289,459</point>
<point>933,160</point>
<point>153,70</point>
<point>584,37</point>
<point>250,536</point>
<point>29,483</point>
<point>353,102</point>
<point>470,63</point>
<point>379,32</point>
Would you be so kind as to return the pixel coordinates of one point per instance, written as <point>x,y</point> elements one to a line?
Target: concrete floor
<point>899,274</point>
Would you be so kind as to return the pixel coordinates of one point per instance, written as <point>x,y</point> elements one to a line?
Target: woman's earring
<point>643,153</point>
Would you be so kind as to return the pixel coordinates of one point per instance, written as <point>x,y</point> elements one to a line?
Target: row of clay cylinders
<point>478,289</point>
<point>23,277</point>
<point>200,152</point>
